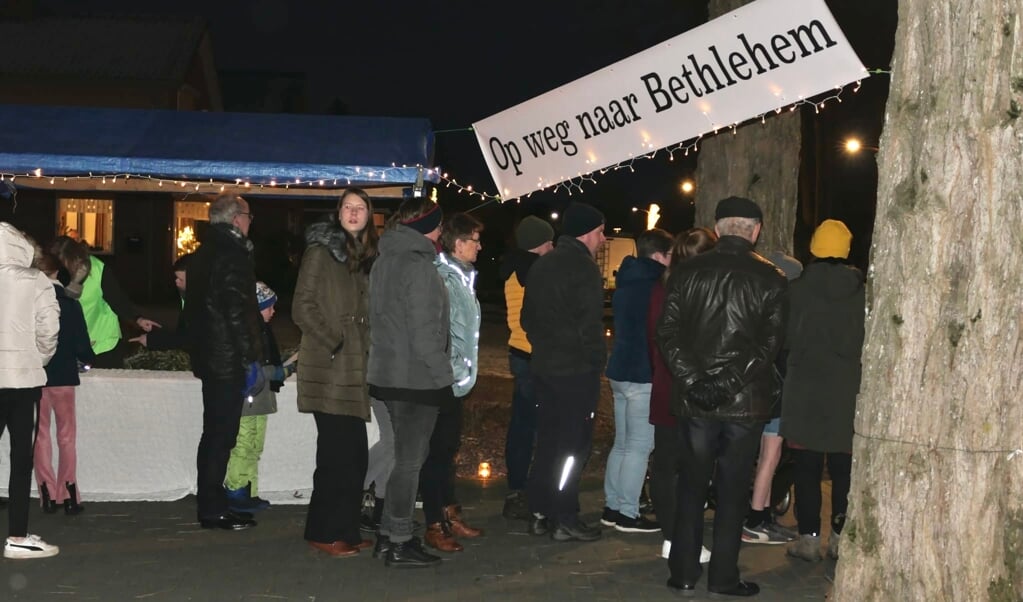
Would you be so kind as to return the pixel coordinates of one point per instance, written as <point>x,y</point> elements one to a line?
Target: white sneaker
<point>31,546</point>
<point>666,552</point>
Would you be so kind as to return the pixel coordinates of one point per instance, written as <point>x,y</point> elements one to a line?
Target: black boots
<point>49,505</point>
<point>382,547</point>
<point>409,554</point>
<point>71,505</point>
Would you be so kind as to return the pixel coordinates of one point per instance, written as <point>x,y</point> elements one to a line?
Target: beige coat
<point>331,308</point>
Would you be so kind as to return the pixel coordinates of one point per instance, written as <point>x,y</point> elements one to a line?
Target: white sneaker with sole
<point>666,552</point>
<point>30,546</point>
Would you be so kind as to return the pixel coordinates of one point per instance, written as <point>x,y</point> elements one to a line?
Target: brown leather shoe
<point>438,537</point>
<point>337,549</point>
<point>457,526</point>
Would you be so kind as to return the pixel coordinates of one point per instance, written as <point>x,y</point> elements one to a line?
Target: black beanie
<point>427,222</point>
<point>580,219</point>
<point>533,232</point>
<point>737,206</point>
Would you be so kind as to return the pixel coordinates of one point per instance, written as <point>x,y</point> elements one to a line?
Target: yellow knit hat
<point>831,239</point>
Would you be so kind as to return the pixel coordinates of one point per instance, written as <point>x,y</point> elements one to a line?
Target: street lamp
<point>652,215</point>
<point>687,186</point>
<point>853,146</point>
<point>554,215</point>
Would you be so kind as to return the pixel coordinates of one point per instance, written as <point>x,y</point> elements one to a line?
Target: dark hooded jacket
<point>409,357</point>
<point>225,330</point>
<point>331,307</point>
<point>630,357</point>
<point>72,343</point>
<point>825,341</point>
<point>722,325</point>
<point>563,311</point>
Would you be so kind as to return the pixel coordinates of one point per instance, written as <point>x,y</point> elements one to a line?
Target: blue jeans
<point>518,448</point>
<point>412,424</point>
<point>634,440</point>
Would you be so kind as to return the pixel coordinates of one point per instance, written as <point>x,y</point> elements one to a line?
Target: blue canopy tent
<point>262,152</point>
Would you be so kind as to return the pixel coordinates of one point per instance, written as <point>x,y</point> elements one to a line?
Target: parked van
<point>610,257</point>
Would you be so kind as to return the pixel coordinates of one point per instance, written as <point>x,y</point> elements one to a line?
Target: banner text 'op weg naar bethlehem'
<point>758,58</point>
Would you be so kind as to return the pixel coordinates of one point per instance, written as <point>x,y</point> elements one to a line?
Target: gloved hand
<point>707,394</point>
<point>255,380</point>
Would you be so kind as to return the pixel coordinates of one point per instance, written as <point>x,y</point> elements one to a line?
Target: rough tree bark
<point>936,508</point>
<point>759,161</point>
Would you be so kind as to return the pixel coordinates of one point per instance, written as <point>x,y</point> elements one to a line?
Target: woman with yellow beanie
<point>824,341</point>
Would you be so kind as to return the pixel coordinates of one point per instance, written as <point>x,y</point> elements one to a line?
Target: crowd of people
<point>719,354</point>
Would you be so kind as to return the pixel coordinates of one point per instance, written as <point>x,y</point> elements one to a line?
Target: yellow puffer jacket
<point>513,294</point>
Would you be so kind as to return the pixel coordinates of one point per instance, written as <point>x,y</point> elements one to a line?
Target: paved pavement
<point>155,551</point>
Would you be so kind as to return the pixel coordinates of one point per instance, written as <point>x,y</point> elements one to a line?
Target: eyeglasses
<point>248,215</point>
<point>474,239</point>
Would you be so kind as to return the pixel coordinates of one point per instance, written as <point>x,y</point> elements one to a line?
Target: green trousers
<point>243,467</point>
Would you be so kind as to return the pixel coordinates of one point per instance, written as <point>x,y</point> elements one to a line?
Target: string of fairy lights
<point>576,185</point>
<point>219,185</point>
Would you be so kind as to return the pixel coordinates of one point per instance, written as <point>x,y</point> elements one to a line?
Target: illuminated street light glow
<point>687,186</point>
<point>652,215</point>
<point>853,146</point>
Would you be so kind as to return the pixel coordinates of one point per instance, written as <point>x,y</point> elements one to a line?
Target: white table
<point>138,431</point>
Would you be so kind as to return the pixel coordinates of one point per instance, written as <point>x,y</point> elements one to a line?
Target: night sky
<point>458,62</point>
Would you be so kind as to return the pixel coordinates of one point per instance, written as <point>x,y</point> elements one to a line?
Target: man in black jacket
<point>562,315</point>
<point>160,339</point>
<point>224,343</point>
<point>721,328</point>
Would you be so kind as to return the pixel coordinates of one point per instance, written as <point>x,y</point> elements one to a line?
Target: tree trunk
<point>936,507</point>
<point>758,161</point>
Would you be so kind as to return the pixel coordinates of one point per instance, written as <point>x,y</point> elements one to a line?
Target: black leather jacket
<point>224,330</point>
<point>723,324</point>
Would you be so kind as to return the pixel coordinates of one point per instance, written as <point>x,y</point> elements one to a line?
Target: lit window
<point>88,220</point>
<point>190,219</point>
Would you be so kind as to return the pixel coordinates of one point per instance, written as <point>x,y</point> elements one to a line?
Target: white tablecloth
<point>138,431</point>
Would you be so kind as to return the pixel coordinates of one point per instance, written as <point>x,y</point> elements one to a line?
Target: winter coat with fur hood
<point>331,307</point>
<point>29,314</point>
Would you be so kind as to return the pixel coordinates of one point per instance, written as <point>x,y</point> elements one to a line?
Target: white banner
<point>758,58</point>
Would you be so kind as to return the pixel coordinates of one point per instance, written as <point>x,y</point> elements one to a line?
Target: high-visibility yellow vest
<point>101,321</point>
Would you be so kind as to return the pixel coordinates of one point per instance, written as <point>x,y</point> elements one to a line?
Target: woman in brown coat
<point>331,308</point>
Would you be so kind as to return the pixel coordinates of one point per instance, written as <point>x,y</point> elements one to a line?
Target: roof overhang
<point>75,148</point>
